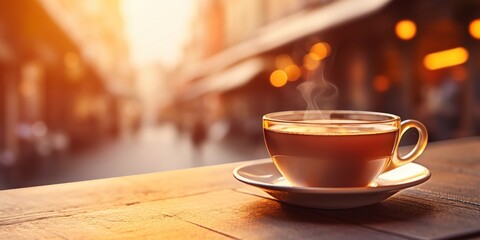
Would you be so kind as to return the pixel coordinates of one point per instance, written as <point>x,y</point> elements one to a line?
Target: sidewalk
<point>152,150</point>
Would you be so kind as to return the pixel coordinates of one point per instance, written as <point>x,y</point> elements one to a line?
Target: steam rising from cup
<point>319,94</point>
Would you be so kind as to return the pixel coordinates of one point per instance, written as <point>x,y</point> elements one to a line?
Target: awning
<point>282,32</point>
<point>230,78</point>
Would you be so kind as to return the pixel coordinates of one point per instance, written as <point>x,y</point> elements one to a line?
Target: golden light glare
<point>405,29</point>
<point>321,49</point>
<point>381,83</point>
<point>311,61</point>
<point>278,78</point>
<point>171,21</point>
<point>282,61</point>
<point>446,58</point>
<point>474,28</point>
<point>293,72</point>
<point>401,174</point>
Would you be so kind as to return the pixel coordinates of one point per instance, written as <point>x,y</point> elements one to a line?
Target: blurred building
<point>97,28</point>
<point>377,55</point>
<point>225,79</point>
<point>221,24</point>
<point>58,94</point>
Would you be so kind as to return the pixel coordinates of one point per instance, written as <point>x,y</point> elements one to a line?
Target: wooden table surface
<point>208,203</point>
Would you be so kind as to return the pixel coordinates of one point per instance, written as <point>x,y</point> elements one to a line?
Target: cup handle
<point>398,160</point>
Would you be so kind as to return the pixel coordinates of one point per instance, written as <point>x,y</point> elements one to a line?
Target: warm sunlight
<point>157,30</point>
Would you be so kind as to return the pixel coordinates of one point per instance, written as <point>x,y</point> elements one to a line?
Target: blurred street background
<point>95,89</point>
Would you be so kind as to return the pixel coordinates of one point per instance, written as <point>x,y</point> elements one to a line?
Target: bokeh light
<point>474,28</point>
<point>406,29</point>
<point>446,58</point>
<point>321,49</point>
<point>311,61</point>
<point>282,61</point>
<point>278,78</point>
<point>293,72</point>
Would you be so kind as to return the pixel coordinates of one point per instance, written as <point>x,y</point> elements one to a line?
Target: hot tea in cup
<point>337,148</point>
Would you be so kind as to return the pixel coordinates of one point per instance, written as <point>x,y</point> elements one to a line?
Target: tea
<point>339,148</point>
<point>331,155</point>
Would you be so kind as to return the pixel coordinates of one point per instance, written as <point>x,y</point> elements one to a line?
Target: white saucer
<point>263,174</point>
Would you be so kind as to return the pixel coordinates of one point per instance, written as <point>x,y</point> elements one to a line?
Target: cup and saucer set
<point>264,175</point>
<point>335,159</point>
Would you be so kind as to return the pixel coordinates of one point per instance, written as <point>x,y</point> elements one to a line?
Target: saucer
<point>263,174</point>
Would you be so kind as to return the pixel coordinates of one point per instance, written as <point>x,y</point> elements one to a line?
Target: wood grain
<point>406,214</point>
<point>225,213</point>
<point>29,204</point>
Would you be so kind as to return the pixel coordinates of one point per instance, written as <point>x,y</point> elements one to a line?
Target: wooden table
<point>208,203</point>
